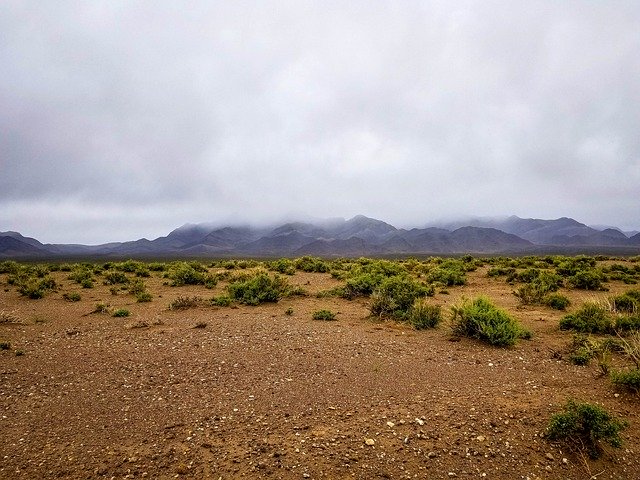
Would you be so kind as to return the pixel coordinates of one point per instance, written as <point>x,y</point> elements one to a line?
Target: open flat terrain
<point>251,391</point>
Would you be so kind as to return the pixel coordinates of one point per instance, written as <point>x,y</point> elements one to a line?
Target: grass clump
<point>585,426</point>
<point>144,296</point>
<point>590,318</point>
<point>101,307</point>
<point>311,264</point>
<point>190,273</point>
<point>591,279</point>
<point>557,301</point>
<point>423,315</point>
<point>629,379</point>
<point>628,302</point>
<point>259,289</point>
<point>121,312</point>
<point>481,319</point>
<point>183,303</point>
<point>115,278</point>
<point>72,297</point>
<point>323,315</point>
<point>36,288</point>
<point>4,345</point>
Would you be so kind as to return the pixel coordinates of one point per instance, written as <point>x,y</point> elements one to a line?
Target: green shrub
<point>284,266</point>
<point>586,426</point>
<point>121,312</point>
<point>626,302</point>
<point>557,301</point>
<point>481,319</point>
<point>323,315</point>
<point>396,295</point>
<point>136,287</point>
<point>423,316</point>
<point>115,278</point>
<point>629,379</point>
<point>259,289</point>
<point>35,289</point>
<point>72,297</point>
<point>627,323</point>
<point>190,273</point>
<point>587,280</point>
<point>581,356</point>
<point>143,296</point>
<point>590,318</point>
<point>311,264</point>
<point>82,276</point>
<point>221,301</point>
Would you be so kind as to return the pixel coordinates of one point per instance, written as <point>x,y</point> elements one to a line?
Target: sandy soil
<point>257,393</point>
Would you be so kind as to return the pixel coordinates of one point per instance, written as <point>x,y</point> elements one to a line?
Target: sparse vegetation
<point>481,319</point>
<point>72,296</point>
<point>586,427</point>
<point>121,312</point>
<point>590,318</point>
<point>323,315</point>
<point>259,289</point>
<point>183,303</point>
<point>423,315</point>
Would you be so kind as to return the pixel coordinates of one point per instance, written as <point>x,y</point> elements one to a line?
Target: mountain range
<point>358,236</point>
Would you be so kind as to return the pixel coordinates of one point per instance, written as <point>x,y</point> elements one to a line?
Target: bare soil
<point>256,393</point>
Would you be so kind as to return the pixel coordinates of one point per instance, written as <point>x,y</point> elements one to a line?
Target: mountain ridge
<point>356,236</point>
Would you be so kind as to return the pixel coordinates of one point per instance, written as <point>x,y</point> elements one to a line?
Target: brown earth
<point>257,393</point>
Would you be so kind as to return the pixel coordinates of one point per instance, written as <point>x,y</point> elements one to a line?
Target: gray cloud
<point>126,119</point>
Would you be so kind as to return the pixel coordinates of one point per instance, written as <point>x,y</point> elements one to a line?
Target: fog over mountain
<point>358,236</point>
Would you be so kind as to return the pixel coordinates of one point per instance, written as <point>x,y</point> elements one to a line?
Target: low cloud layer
<point>126,119</point>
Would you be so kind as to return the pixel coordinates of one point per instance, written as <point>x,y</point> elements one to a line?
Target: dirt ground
<point>257,393</point>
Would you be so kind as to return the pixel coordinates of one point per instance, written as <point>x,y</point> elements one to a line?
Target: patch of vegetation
<point>586,427</point>
<point>288,311</point>
<point>557,301</point>
<point>627,323</point>
<point>423,315</point>
<point>591,279</point>
<point>4,345</point>
<point>190,273</point>
<point>629,379</point>
<point>395,296</point>
<point>115,278</point>
<point>481,319</point>
<point>183,303</point>
<point>102,307</point>
<point>121,312</point>
<point>221,301</point>
<point>72,297</point>
<point>590,318</point>
<point>311,264</point>
<point>8,317</point>
<point>144,297</point>
<point>83,276</point>
<point>284,266</point>
<point>539,284</point>
<point>35,288</point>
<point>628,302</point>
<point>323,315</point>
<point>259,289</point>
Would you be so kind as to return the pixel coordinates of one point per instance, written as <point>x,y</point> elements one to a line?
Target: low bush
<point>627,302</point>
<point>629,379</point>
<point>323,315</point>
<point>183,303</point>
<point>101,307</point>
<point>481,319</point>
<point>284,266</point>
<point>423,315</point>
<point>35,288</point>
<point>121,312</point>
<point>557,301</point>
<point>115,278</point>
<point>259,289</point>
<point>311,264</point>
<point>590,318</point>
<point>144,296</point>
<point>221,301</point>
<point>72,297</point>
<point>190,273</point>
<point>395,296</point>
<point>591,279</point>
<point>584,426</point>
<point>627,323</point>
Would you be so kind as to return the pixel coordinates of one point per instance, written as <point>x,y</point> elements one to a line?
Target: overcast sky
<point>126,119</point>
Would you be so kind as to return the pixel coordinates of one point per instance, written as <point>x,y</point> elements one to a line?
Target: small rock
<point>432,454</point>
<point>452,474</point>
<point>481,438</point>
<point>548,468</point>
<point>549,456</point>
<point>419,421</point>
<point>370,441</point>
<point>565,461</point>
<point>391,424</point>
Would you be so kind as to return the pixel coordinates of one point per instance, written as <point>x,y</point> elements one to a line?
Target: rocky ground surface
<point>256,393</point>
